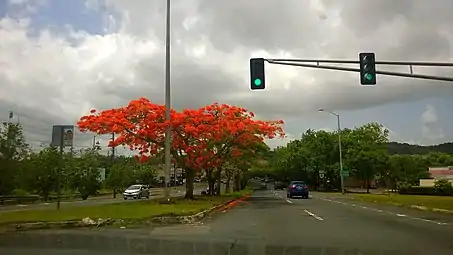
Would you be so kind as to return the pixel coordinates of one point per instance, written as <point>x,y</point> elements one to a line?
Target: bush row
<point>430,191</point>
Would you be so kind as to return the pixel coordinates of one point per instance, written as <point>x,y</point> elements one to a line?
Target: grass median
<point>431,202</point>
<point>139,210</point>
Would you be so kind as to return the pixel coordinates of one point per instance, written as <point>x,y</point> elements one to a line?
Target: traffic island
<point>137,213</point>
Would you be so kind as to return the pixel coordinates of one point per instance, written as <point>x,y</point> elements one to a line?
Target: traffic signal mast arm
<point>299,62</point>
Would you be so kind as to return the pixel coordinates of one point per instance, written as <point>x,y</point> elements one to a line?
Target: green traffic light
<point>368,76</point>
<point>257,82</point>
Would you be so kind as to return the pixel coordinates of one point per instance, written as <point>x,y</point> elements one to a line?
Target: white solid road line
<point>289,201</point>
<point>391,213</point>
<point>313,215</point>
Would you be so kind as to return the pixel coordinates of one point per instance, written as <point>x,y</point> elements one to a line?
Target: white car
<point>136,191</point>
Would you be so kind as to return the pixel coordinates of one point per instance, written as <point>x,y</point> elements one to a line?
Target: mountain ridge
<point>405,148</point>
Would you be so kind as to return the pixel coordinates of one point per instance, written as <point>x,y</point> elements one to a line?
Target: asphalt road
<point>267,223</point>
<point>155,193</point>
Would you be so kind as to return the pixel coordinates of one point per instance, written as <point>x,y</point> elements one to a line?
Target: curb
<point>190,219</point>
<point>87,222</point>
<point>424,208</point>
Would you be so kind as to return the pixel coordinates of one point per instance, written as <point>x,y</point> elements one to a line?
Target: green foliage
<point>365,155</point>
<point>41,172</point>
<point>443,187</point>
<point>13,149</point>
<point>119,178</point>
<point>84,173</point>
<point>404,148</point>
<point>429,191</point>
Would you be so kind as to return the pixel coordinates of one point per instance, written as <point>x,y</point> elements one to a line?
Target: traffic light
<point>257,73</point>
<point>367,69</point>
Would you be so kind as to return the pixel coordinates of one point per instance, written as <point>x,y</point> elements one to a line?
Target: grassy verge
<point>139,210</point>
<point>237,194</point>
<point>440,202</point>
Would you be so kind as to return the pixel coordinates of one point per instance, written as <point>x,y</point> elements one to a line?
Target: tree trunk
<point>114,193</point>
<point>227,185</point>
<point>45,196</point>
<point>243,182</point>
<point>236,183</point>
<point>218,180</point>
<point>189,183</point>
<point>210,180</point>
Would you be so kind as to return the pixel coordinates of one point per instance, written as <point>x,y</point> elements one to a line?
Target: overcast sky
<point>58,59</point>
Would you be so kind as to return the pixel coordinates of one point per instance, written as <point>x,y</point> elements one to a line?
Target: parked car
<point>136,191</point>
<point>297,188</point>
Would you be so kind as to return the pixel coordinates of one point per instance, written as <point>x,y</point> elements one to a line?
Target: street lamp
<point>339,146</point>
<point>167,104</point>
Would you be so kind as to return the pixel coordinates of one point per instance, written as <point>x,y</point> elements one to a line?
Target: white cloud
<point>432,131</point>
<point>55,79</point>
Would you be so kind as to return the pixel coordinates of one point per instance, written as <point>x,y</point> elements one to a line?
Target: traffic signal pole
<point>300,62</point>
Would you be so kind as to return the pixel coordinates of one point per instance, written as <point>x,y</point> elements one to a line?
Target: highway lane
<point>155,193</point>
<point>321,223</point>
<point>268,223</point>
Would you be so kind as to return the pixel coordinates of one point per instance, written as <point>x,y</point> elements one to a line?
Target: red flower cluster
<point>201,138</point>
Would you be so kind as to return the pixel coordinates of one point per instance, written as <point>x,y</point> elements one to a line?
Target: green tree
<point>13,149</point>
<point>41,170</point>
<point>368,156</point>
<point>85,173</point>
<point>121,175</point>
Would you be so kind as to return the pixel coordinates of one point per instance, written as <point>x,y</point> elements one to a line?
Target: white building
<point>437,173</point>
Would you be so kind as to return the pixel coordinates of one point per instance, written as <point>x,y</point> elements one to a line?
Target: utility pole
<point>167,104</point>
<point>339,146</point>
<point>60,169</point>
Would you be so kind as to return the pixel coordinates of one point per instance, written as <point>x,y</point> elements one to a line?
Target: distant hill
<point>405,148</point>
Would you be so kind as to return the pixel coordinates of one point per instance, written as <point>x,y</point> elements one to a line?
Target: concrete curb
<point>87,222</point>
<point>189,219</point>
<point>424,208</point>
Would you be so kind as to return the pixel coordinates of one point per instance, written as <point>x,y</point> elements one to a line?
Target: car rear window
<point>298,183</point>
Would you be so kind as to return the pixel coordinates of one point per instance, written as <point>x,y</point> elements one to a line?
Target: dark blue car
<point>297,189</point>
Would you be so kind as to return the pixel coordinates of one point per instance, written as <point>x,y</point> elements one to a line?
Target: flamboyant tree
<point>201,138</point>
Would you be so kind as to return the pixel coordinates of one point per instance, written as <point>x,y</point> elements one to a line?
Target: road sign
<point>345,173</point>
<point>68,136</point>
<point>62,136</point>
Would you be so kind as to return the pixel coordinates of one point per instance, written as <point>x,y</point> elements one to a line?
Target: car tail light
<point>293,186</point>
<point>306,186</point>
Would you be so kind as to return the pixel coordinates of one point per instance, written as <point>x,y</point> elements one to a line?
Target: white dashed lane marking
<point>382,211</point>
<point>313,215</point>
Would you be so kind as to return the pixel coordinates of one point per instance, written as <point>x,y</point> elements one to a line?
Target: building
<point>437,173</point>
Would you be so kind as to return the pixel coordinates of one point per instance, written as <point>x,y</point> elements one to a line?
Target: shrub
<point>429,191</point>
<point>443,187</point>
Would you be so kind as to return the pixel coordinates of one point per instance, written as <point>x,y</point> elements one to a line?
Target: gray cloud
<point>54,80</point>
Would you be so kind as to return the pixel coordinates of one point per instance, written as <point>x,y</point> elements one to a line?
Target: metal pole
<point>167,105</point>
<point>395,63</point>
<point>341,155</point>
<point>94,142</point>
<point>60,168</point>
<point>348,69</point>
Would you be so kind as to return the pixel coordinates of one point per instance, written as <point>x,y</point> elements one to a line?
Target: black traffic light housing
<point>367,68</point>
<point>257,80</point>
